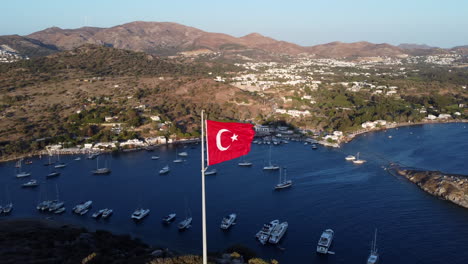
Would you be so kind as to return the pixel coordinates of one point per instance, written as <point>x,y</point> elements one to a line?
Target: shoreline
<point>353,135</point>
<point>83,151</point>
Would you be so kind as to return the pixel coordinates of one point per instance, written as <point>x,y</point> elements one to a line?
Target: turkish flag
<point>226,141</point>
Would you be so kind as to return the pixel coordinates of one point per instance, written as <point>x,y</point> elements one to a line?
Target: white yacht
<point>325,241</point>
<point>78,158</point>
<point>82,208</point>
<point>350,158</point>
<point>358,161</point>
<point>60,210</point>
<point>314,146</point>
<point>278,232</point>
<point>169,218</point>
<point>211,172</point>
<point>53,174</point>
<point>283,183</point>
<point>44,205</point>
<point>374,255</point>
<point>98,213</point>
<point>183,154</point>
<point>55,205</point>
<point>245,163</point>
<point>107,213</point>
<point>264,234</point>
<point>154,157</point>
<point>23,174</point>
<point>31,183</point>
<point>164,170</point>
<point>140,213</point>
<point>228,221</point>
<point>185,224</point>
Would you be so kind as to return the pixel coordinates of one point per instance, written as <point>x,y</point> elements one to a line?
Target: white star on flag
<point>234,137</point>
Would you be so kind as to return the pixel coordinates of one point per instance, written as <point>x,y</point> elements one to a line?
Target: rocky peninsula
<point>451,187</point>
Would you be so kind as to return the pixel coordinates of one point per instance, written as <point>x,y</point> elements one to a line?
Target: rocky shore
<point>451,187</point>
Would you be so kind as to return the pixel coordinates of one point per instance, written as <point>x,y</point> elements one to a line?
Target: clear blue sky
<point>305,22</point>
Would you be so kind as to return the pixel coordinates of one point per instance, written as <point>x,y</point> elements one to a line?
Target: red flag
<point>226,141</point>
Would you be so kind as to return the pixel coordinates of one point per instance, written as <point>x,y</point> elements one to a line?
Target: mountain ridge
<point>169,38</point>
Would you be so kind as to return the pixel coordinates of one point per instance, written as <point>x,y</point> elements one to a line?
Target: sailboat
<point>211,172</point>
<point>100,171</point>
<point>244,163</point>
<point>271,166</point>
<point>55,205</point>
<point>9,206</point>
<point>178,160</point>
<point>49,162</point>
<point>59,164</point>
<point>21,173</point>
<point>283,183</point>
<point>164,170</point>
<point>373,256</point>
<point>52,172</point>
<point>187,222</point>
<point>357,160</point>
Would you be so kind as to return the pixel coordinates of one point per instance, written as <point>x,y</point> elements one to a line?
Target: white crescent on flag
<point>218,140</point>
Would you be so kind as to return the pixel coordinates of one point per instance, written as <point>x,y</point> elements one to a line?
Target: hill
<point>356,49</point>
<point>164,38</point>
<point>27,46</point>
<point>97,81</point>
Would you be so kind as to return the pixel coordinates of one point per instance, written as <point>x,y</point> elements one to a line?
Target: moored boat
<point>211,172</point>
<point>169,218</point>
<point>31,183</point>
<point>325,241</point>
<point>164,170</point>
<point>264,234</point>
<point>82,208</point>
<point>108,212</point>
<point>140,213</point>
<point>185,224</point>
<point>278,233</point>
<point>228,221</point>
<point>374,255</point>
<point>98,213</point>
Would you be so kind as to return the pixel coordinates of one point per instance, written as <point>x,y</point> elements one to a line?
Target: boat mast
<point>279,182</point>
<point>375,241</point>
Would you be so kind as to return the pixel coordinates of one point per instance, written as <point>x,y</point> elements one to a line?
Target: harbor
<point>322,180</point>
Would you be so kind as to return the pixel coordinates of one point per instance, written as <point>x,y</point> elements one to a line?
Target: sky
<point>304,22</point>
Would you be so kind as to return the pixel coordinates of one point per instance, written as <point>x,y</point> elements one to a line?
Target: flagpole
<point>203,127</point>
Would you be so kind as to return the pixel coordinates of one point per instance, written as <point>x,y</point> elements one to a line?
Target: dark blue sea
<point>328,192</point>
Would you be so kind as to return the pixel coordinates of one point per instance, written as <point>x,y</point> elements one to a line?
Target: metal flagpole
<point>203,127</point>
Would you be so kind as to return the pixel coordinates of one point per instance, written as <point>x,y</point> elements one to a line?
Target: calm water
<point>328,192</point>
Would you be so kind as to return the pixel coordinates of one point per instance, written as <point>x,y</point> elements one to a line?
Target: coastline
<point>83,151</point>
<point>351,136</point>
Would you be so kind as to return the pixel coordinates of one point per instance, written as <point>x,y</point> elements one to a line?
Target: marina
<point>323,179</point>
